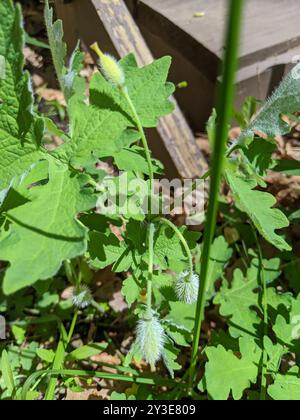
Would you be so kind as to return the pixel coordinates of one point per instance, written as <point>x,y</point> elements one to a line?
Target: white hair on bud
<point>187,287</point>
<point>150,339</point>
<point>112,70</point>
<point>81,297</point>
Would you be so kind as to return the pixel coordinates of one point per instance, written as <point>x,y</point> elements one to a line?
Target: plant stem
<point>183,241</point>
<point>72,327</point>
<point>263,389</point>
<point>103,375</point>
<point>140,128</point>
<point>57,364</point>
<point>225,106</point>
<point>150,269</point>
<point>65,338</point>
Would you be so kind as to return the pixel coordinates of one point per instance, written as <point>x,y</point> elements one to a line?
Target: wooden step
<point>271,38</point>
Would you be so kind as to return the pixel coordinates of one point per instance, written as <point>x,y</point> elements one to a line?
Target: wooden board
<point>271,38</point>
<point>110,23</point>
<point>271,27</point>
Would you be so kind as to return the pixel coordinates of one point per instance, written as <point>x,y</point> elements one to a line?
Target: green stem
<point>60,356</point>
<point>263,388</point>
<point>150,269</point>
<point>183,241</point>
<point>154,381</point>
<point>65,338</point>
<point>225,106</point>
<point>72,327</point>
<point>140,128</point>
<point>57,363</point>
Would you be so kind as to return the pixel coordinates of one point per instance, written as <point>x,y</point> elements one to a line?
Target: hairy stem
<point>225,106</point>
<point>146,380</point>
<point>263,389</point>
<point>150,269</point>
<point>140,128</point>
<point>183,241</point>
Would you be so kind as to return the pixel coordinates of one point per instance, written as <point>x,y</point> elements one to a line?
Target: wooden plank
<point>110,23</point>
<point>271,27</point>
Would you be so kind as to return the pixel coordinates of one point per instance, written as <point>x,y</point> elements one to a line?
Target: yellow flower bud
<point>111,69</point>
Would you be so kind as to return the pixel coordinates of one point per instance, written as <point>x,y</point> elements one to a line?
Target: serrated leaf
<point>147,87</point>
<point>225,373</point>
<point>104,124</point>
<point>260,155</point>
<point>44,232</point>
<point>182,315</point>
<point>97,127</point>
<point>134,159</point>
<point>259,207</point>
<point>274,352</point>
<point>105,249</point>
<point>220,255</point>
<point>69,82</point>
<point>131,290</point>
<point>57,45</point>
<point>285,100</point>
<point>20,130</point>
<point>168,249</point>
<point>237,300</point>
<point>286,387</point>
<point>288,330</point>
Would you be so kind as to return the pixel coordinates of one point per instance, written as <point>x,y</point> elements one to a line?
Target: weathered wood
<point>110,23</point>
<point>271,27</point>
<point>270,39</point>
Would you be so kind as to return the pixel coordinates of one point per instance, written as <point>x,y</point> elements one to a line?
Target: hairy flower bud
<point>111,69</point>
<point>186,287</point>
<point>81,297</point>
<point>150,339</point>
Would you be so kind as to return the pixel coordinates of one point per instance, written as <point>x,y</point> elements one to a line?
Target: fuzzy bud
<point>186,287</point>
<point>81,297</point>
<point>111,69</point>
<point>150,339</point>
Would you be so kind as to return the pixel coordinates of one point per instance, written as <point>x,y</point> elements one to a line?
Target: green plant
<point>52,236</point>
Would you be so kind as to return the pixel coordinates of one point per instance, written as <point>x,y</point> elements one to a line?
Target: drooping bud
<point>186,287</point>
<point>111,69</point>
<point>81,297</point>
<point>150,339</point>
